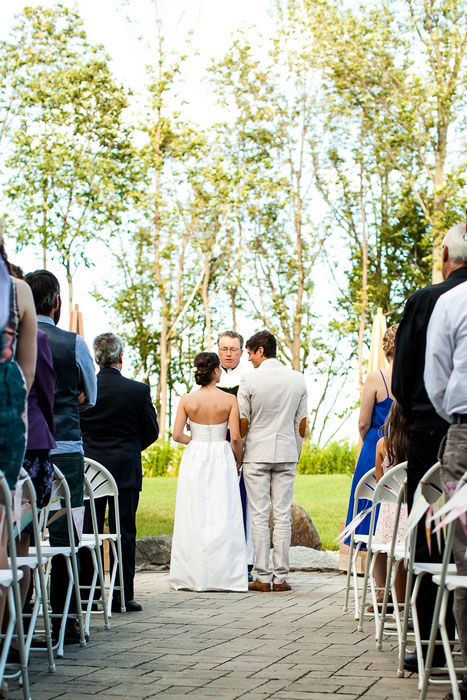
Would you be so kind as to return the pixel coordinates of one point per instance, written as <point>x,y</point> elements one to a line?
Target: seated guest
<point>115,431</point>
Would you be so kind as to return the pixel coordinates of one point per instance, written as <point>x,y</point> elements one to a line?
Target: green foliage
<point>162,459</point>
<point>334,458</point>
<point>70,159</point>
<point>325,498</point>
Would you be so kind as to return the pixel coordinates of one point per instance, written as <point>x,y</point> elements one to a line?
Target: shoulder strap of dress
<point>382,377</point>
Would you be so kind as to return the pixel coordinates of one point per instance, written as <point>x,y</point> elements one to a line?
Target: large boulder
<point>304,533</point>
<point>153,553</point>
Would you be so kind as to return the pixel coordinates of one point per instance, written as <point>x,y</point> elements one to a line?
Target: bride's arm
<point>234,426</point>
<point>180,422</point>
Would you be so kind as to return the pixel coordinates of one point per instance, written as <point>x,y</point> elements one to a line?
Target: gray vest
<point>66,413</point>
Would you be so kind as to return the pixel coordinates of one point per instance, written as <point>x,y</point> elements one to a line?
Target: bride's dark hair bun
<point>205,363</point>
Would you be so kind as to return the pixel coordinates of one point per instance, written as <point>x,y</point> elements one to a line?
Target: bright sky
<point>127,29</point>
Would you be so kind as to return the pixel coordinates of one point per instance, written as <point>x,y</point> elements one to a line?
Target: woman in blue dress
<point>376,402</point>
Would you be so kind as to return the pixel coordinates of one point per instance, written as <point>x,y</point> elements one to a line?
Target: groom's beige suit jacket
<point>273,399</point>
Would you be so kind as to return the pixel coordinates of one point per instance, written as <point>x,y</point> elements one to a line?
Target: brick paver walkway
<point>224,645</point>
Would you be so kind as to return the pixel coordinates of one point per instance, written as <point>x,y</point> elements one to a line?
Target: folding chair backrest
<point>390,484</point>
<point>430,484</point>
<point>101,480</point>
<point>7,503</point>
<point>365,488</point>
<point>61,493</point>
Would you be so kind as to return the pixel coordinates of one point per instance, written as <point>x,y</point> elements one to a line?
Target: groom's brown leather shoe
<point>284,586</point>
<point>259,586</point>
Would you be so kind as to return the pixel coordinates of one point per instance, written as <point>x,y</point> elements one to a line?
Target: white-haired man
<point>115,432</point>
<point>428,428</point>
<point>446,384</point>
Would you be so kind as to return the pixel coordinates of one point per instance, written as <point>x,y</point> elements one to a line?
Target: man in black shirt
<point>428,427</point>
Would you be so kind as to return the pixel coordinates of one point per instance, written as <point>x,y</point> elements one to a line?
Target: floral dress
<point>387,514</point>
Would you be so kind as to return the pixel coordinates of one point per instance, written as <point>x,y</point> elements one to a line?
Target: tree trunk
<point>205,298</point>
<point>69,279</point>
<point>165,351</point>
<point>439,202</point>
<point>364,294</point>
<point>233,306</point>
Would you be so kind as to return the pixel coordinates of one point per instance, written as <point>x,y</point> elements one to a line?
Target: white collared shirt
<point>446,354</point>
<point>231,377</point>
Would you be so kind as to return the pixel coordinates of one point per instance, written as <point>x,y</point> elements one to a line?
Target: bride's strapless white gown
<point>208,547</point>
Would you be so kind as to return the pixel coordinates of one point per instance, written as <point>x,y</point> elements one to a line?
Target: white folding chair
<point>428,492</point>
<point>59,506</point>
<point>103,485</point>
<point>10,578</point>
<point>393,492</point>
<point>94,545</point>
<point>36,562</point>
<point>387,491</point>
<point>365,489</point>
<point>447,582</point>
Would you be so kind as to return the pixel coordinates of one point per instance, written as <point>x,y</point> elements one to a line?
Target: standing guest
<point>428,427</point>
<point>76,384</point>
<point>40,438</point>
<point>375,405</point>
<point>18,351</point>
<point>230,347</point>
<point>273,410</point>
<point>446,385</point>
<point>115,431</point>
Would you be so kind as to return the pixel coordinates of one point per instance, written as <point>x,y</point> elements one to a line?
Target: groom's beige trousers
<point>270,484</point>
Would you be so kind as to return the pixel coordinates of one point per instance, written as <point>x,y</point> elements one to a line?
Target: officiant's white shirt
<point>231,377</point>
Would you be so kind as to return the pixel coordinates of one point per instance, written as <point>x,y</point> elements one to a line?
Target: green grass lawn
<point>325,498</point>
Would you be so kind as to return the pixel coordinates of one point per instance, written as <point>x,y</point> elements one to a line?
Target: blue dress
<point>366,460</point>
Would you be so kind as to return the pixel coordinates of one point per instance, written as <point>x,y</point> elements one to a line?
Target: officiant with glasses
<point>233,366</point>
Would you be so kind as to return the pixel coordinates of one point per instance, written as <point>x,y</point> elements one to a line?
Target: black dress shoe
<point>130,605</point>
<point>462,691</point>
<point>411,663</point>
<point>72,634</point>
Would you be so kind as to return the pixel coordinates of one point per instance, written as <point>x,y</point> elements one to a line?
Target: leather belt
<point>460,418</point>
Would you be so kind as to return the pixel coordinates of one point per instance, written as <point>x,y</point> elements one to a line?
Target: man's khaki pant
<point>453,460</point>
<point>270,484</point>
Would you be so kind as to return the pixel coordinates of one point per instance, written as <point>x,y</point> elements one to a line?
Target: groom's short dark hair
<point>263,339</point>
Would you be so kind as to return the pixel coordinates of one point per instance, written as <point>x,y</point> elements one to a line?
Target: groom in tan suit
<point>273,409</point>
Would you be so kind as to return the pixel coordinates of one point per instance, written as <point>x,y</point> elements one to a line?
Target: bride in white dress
<point>208,547</point>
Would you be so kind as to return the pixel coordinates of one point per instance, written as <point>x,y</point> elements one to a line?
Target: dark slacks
<point>128,500</point>
<point>425,440</point>
<point>72,467</point>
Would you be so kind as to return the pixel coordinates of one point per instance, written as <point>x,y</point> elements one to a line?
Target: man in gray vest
<point>76,384</point>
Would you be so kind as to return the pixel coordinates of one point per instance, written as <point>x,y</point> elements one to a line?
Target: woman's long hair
<point>396,433</point>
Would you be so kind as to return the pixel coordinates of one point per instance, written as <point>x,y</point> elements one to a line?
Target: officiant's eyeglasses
<point>232,350</point>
